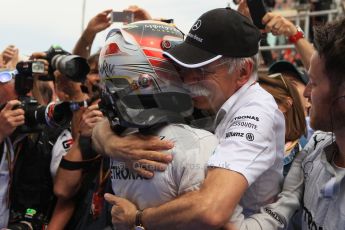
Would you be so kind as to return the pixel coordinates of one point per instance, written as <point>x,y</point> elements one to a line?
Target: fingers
<point>155,143</point>
<point>9,53</point>
<point>92,114</point>
<point>90,118</point>
<point>267,18</point>
<point>37,55</point>
<point>106,12</point>
<point>16,121</point>
<point>110,198</point>
<point>155,156</point>
<point>144,173</point>
<point>11,118</point>
<point>278,25</point>
<point>11,104</point>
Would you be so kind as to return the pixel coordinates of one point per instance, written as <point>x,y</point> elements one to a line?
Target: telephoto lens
<point>73,66</point>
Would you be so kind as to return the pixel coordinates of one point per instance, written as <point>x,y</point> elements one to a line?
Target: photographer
<point>37,145</point>
<point>75,186</point>
<point>9,119</point>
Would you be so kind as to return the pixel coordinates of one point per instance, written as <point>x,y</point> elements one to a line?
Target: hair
<point>329,41</point>
<point>238,63</point>
<point>93,59</point>
<point>46,91</point>
<point>294,117</point>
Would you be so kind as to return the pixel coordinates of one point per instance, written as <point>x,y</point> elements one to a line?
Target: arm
<point>67,182</point>
<point>133,149</point>
<point>279,25</point>
<point>277,215</point>
<point>208,208</point>
<point>98,23</point>
<point>61,215</point>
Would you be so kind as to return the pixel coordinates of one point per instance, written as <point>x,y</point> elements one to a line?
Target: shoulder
<point>182,132</point>
<point>63,142</point>
<point>189,142</point>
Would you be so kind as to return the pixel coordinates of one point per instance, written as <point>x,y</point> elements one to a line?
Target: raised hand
<point>10,119</point>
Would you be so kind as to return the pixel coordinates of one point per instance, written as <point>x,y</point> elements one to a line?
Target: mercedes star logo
<point>196,25</point>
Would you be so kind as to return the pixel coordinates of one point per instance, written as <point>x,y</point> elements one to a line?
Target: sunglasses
<point>279,75</point>
<point>7,75</point>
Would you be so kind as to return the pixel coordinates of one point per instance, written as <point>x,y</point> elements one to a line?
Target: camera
<point>30,67</point>
<point>38,116</point>
<point>73,66</point>
<point>122,16</point>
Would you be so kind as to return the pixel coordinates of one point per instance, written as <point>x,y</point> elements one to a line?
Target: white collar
<point>228,104</point>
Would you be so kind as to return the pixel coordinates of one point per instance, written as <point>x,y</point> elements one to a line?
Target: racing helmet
<point>140,88</point>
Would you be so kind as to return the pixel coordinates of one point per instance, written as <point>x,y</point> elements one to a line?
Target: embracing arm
<point>208,208</point>
<point>134,149</point>
<point>277,215</point>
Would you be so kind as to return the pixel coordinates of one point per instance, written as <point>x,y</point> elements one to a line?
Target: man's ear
<point>244,73</point>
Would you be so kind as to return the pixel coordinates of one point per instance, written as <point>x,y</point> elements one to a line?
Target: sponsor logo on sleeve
<point>234,134</point>
<point>245,124</point>
<point>254,118</point>
<point>67,144</point>
<point>250,137</point>
<point>275,215</point>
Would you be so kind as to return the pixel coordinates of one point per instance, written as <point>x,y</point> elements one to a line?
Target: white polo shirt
<point>251,132</point>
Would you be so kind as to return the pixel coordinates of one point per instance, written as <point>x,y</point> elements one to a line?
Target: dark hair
<point>329,41</point>
<point>93,59</point>
<point>281,88</point>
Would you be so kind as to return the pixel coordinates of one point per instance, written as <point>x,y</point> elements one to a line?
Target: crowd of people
<point>176,131</point>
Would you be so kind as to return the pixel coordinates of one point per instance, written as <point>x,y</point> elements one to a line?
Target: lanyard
<point>11,159</point>
<point>103,178</point>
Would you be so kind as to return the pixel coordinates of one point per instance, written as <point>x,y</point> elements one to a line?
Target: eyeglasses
<point>7,75</point>
<point>201,72</point>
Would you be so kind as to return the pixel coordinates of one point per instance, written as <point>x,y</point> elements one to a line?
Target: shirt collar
<point>233,99</point>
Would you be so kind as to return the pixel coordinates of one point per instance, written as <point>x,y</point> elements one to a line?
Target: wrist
<point>138,220</point>
<point>88,35</point>
<point>297,35</point>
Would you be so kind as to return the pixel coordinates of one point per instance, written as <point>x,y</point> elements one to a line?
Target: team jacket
<point>313,185</point>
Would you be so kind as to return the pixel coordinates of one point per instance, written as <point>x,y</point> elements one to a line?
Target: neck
<point>340,139</point>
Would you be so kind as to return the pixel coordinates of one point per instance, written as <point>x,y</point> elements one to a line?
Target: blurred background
<point>36,24</point>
